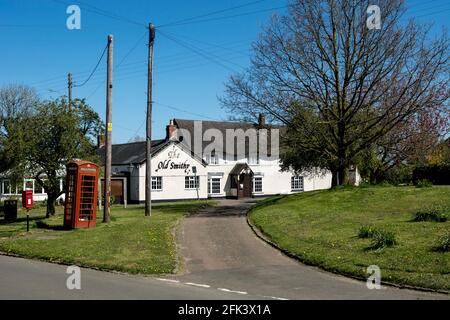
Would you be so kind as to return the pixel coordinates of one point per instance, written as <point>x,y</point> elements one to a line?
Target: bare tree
<point>338,85</point>
<point>17,102</point>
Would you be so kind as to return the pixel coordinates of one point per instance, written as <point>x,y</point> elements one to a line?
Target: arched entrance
<point>242,181</point>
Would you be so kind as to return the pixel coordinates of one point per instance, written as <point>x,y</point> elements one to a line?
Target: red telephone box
<point>80,210</point>
<point>27,199</point>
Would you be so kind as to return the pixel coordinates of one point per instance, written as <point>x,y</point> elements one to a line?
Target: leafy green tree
<point>58,135</point>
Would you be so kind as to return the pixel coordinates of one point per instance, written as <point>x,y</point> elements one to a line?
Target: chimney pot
<point>261,120</point>
<point>171,131</point>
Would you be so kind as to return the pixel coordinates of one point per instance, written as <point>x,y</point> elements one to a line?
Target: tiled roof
<point>222,126</point>
<point>134,152</point>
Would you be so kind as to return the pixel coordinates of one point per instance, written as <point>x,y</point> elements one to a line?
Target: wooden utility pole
<point>148,167</point>
<point>108,135</point>
<point>69,85</point>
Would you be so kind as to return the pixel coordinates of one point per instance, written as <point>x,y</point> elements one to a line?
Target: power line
<point>198,51</point>
<point>131,50</point>
<point>93,71</point>
<point>206,43</point>
<point>121,61</point>
<point>209,14</point>
<point>228,17</point>
<point>184,111</point>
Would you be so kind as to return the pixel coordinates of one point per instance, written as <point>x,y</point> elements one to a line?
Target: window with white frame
<point>257,184</point>
<point>29,184</point>
<point>297,183</point>
<point>191,182</point>
<point>38,188</point>
<point>156,183</point>
<point>6,187</point>
<point>214,185</point>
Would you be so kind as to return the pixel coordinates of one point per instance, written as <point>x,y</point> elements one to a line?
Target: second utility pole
<point>148,166</point>
<point>108,134</point>
<point>69,85</point>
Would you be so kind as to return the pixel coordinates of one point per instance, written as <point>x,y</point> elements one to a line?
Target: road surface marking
<point>168,280</point>
<point>198,285</point>
<point>232,291</point>
<point>277,298</point>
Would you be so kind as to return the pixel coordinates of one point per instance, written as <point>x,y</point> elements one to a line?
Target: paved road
<point>223,260</point>
<point>221,250</point>
<point>29,279</point>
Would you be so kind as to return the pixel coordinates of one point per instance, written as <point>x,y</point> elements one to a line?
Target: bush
<point>424,183</point>
<point>435,214</point>
<point>382,239</point>
<point>437,174</point>
<point>443,243</point>
<point>366,232</point>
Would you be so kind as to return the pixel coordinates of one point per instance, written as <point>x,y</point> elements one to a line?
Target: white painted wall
<point>173,180</point>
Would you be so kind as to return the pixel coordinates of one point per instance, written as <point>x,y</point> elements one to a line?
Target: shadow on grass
<point>22,219</point>
<point>44,225</point>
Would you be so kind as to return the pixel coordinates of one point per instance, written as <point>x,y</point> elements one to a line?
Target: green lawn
<point>130,243</point>
<point>321,229</point>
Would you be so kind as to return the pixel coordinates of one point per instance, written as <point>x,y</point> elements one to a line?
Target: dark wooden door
<point>117,190</point>
<point>248,186</point>
<point>245,186</point>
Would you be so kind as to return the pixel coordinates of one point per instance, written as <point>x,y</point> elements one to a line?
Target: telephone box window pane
<point>70,196</point>
<point>87,197</point>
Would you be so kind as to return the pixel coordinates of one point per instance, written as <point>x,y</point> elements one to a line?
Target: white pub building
<point>192,163</point>
<point>199,160</point>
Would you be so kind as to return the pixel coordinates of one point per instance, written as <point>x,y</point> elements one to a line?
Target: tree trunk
<point>339,176</point>
<point>51,199</point>
<point>334,178</point>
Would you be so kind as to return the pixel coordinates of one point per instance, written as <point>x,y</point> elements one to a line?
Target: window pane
<point>29,185</point>
<point>156,183</point>
<point>37,188</point>
<point>257,184</point>
<point>191,182</point>
<point>215,185</point>
<point>297,183</point>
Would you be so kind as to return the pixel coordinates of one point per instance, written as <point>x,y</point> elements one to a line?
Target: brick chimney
<point>261,120</point>
<point>171,131</point>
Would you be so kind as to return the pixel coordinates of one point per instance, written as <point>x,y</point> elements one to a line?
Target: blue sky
<point>38,50</point>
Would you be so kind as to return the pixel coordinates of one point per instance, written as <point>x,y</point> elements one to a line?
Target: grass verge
<point>129,243</point>
<point>321,228</point>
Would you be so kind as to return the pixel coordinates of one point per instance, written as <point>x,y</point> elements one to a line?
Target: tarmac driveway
<point>220,250</point>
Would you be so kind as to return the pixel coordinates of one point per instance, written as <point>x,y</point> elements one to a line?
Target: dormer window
<point>212,158</point>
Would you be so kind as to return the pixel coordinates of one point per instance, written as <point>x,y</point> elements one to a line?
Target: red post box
<point>80,209</point>
<point>27,199</point>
